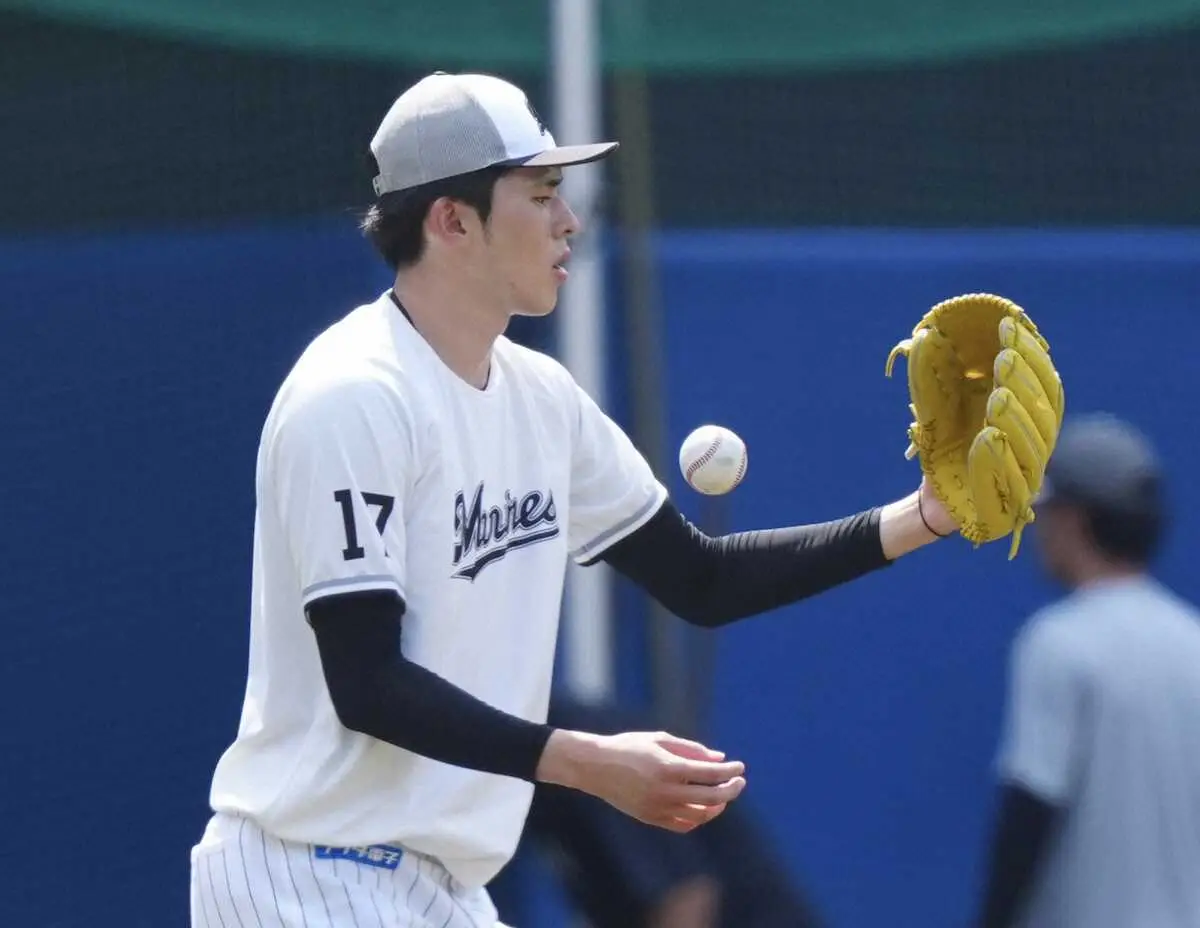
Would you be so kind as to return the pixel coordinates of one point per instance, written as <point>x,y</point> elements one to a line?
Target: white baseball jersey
<point>379,469</point>
<point>1104,721</point>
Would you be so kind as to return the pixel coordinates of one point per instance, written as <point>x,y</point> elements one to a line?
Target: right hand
<point>655,777</point>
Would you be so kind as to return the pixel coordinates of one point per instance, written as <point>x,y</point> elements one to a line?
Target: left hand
<point>934,512</point>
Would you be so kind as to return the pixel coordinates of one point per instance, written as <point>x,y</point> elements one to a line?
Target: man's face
<point>525,242</point>
<point>1058,529</point>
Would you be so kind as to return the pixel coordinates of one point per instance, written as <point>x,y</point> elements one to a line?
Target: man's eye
<point>542,200</point>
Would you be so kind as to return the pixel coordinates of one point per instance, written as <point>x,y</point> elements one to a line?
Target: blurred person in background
<point>620,873</point>
<point>1099,765</point>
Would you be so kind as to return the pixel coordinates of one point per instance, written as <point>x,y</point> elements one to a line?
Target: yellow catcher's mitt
<point>987,405</point>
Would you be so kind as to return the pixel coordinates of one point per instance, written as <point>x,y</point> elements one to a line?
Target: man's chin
<point>538,310</point>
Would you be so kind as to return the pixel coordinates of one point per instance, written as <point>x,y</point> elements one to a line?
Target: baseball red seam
<point>704,458</point>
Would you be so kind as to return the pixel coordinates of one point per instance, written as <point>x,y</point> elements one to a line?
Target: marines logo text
<point>484,535</point>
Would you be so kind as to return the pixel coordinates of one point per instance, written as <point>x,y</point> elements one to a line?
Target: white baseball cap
<point>450,124</point>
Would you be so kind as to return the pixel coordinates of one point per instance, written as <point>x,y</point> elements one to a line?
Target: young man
<point>421,483</point>
<point>1099,812</point>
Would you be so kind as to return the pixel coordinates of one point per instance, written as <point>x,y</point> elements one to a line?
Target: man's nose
<point>569,223</point>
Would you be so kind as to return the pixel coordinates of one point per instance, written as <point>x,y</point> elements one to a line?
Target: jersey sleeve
<point>613,489</point>
<point>1042,744</point>
<point>338,470</point>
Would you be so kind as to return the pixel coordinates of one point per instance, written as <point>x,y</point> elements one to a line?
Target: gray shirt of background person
<point>1103,721</point>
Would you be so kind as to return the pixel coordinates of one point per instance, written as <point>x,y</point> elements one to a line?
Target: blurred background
<point>797,184</point>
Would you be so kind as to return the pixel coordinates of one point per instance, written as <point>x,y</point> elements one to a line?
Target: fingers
<point>703,773</point>
<point>681,807</point>
<point>696,793</point>
<point>667,781</point>
<point>693,794</point>
<point>693,750</point>
<point>692,762</point>
<point>687,818</point>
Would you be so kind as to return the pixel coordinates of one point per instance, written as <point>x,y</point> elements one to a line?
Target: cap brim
<point>568,154</point>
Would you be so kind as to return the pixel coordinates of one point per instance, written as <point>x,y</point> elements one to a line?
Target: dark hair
<point>1129,536</point>
<point>394,224</point>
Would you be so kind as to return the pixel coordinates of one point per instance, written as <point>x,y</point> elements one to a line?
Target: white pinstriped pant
<point>245,878</point>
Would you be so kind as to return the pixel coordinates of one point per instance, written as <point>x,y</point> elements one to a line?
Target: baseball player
<point>421,483</point>
<point>1099,808</point>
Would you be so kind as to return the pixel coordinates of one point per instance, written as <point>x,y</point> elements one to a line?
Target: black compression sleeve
<point>712,581</point>
<point>377,691</point>
<point>1024,826</point>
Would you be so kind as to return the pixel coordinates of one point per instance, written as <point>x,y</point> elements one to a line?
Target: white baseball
<point>713,459</point>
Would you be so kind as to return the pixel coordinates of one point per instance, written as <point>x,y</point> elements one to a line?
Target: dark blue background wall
<point>136,374</point>
<point>869,716</point>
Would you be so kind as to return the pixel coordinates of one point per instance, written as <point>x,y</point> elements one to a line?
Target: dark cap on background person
<point>1108,469</point>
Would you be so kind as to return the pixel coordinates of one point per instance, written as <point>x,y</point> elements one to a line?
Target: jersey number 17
<point>353,551</point>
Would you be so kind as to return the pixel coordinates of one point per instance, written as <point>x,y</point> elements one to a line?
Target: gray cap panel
<point>420,143</point>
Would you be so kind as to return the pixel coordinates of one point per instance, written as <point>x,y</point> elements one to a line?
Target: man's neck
<point>460,326</point>
<point>1101,572</point>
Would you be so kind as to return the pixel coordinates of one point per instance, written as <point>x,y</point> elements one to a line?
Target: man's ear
<point>449,220</point>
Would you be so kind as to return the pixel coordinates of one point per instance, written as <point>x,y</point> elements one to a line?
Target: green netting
<point>115,128</point>
<point>657,35</point>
